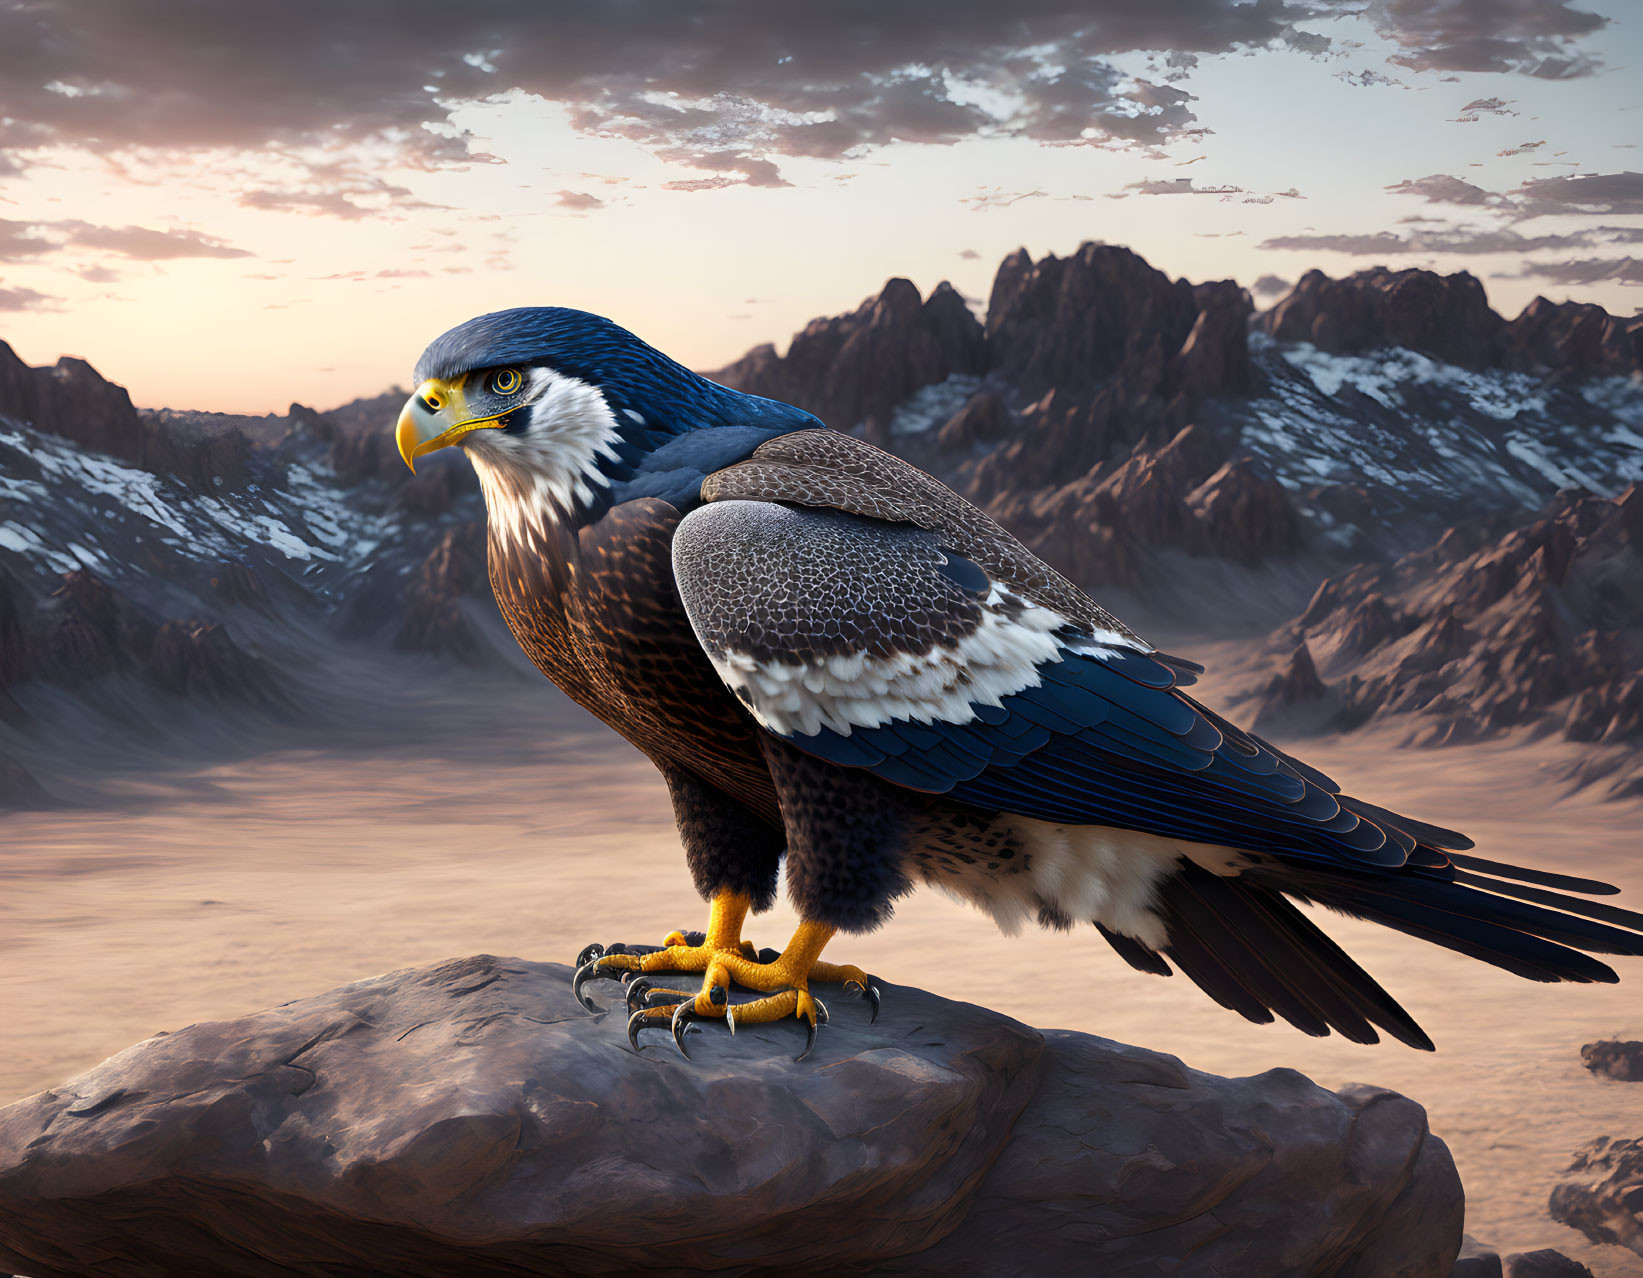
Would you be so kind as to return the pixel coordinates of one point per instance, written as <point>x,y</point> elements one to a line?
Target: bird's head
<point>552,405</point>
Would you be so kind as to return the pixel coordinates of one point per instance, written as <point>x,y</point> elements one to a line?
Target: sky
<point>238,206</point>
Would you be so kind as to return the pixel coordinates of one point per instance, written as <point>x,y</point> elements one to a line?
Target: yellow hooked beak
<point>436,417</point>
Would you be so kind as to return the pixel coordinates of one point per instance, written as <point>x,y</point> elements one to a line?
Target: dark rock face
<point>434,619</point>
<point>1494,627</point>
<point>856,368</point>
<point>1244,515</point>
<point>1183,495</point>
<point>1072,323</point>
<point>1605,1200</point>
<point>1545,1263</point>
<point>471,1118</point>
<point>198,659</point>
<point>1574,339</point>
<point>1444,316</point>
<point>87,630</point>
<point>72,400</point>
<point>15,605</point>
<point>1449,318</point>
<point>1297,683</point>
<point>207,452</point>
<point>984,419</point>
<point>84,631</point>
<point>237,583</point>
<point>1615,1059</point>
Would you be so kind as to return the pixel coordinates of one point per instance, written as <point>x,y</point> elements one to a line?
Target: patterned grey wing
<point>823,468</point>
<point>821,620</point>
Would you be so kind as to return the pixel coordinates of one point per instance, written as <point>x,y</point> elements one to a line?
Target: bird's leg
<point>785,977</point>
<point>679,952</point>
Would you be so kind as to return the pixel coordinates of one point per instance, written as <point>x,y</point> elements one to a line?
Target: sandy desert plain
<point>504,820</point>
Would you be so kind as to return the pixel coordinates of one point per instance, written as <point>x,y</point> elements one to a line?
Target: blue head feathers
<point>634,376</point>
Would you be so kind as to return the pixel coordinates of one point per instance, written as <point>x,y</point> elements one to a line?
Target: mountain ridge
<point>1152,437</point>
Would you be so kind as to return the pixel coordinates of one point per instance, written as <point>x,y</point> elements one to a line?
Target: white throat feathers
<point>535,476</point>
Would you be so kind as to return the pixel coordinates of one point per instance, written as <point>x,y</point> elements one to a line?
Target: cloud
<point>731,87</point>
<point>970,255</point>
<point>1585,193</point>
<point>24,299</point>
<point>701,184</point>
<point>579,200</point>
<point>1373,245</point>
<point>1366,78</point>
<point>146,243</point>
<point>1531,37</point>
<point>1476,109</point>
<point>1185,186</point>
<point>1591,270</point>
<point>1457,239</point>
<point>1522,148</point>
<point>20,241</point>
<point>1179,186</point>
<point>98,274</point>
<point>335,189</point>
<point>1442,188</point>
<point>997,198</point>
<point>1270,286</point>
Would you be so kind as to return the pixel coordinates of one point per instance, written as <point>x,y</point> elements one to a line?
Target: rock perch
<point>470,1118</point>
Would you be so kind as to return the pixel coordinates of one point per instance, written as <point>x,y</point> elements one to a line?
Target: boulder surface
<point>470,1117</point>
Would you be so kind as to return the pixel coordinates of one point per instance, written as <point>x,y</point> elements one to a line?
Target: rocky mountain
<point>1447,317</point>
<point>1387,435</point>
<point>1494,627</point>
<point>195,578</point>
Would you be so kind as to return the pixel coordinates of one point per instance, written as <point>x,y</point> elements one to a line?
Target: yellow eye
<point>506,381</point>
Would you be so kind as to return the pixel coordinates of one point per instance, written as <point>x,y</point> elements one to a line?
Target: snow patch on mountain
<point>931,406</point>
<point>1432,441</point>
<point>63,507</point>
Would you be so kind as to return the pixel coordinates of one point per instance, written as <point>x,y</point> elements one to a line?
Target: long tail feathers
<point>1251,950</point>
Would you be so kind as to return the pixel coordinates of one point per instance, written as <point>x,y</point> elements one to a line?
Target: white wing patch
<point>860,691</point>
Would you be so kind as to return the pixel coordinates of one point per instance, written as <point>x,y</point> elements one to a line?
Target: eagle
<point>839,664</point>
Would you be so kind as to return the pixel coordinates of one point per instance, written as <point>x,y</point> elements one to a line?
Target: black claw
<point>768,955</point>
<point>694,939</point>
<point>870,992</point>
<point>637,989</point>
<point>809,1034</point>
<point>589,953</point>
<point>587,972</point>
<point>821,1011</point>
<point>683,1015</point>
<point>717,996</point>
<point>636,1022</point>
<point>617,948</point>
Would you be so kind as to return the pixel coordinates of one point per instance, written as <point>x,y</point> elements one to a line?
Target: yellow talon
<point>725,958</point>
